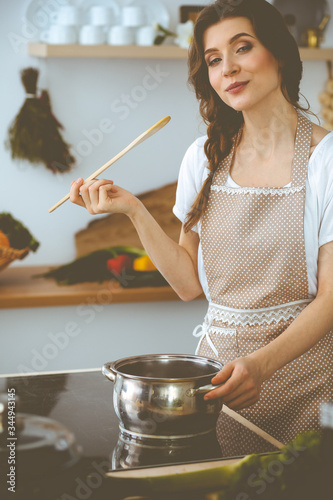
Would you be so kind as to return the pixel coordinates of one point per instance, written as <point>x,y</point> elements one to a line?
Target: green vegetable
<point>19,236</point>
<point>90,267</point>
<point>297,472</point>
<point>93,268</point>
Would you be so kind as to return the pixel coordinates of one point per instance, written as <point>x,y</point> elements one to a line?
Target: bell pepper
<point>119,264</point>
<point>143,263</point>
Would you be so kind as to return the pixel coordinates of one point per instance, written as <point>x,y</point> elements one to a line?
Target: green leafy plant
<point>112,263</point>
<point>19,236</point>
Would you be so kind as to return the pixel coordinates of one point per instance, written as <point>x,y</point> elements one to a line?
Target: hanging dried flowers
<point>35,134</point>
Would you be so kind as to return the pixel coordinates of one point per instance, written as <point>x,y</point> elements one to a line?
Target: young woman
<point>256,200</point>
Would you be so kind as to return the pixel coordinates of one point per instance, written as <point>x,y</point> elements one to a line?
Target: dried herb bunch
<point>35,134</point>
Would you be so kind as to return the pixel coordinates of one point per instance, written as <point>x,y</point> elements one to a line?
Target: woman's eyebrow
<point>232,40</point>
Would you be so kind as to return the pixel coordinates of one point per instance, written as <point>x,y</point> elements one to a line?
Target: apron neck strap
<point>302,151</point>
<point>224,168</point>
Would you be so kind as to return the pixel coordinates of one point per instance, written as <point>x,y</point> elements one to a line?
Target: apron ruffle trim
<point>258,190</point>
<point>264,316</point>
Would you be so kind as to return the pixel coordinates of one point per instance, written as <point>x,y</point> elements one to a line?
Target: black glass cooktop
<point>82,402</point>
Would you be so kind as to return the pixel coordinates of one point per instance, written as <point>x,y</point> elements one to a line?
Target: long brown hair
<point>222,121</point>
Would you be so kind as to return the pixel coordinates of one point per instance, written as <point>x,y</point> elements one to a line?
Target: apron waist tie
<point>202,331</point>
<point>244,317</point>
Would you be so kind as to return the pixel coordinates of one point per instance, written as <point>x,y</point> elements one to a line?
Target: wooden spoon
<point>252,427</point>
<point>141,138</point>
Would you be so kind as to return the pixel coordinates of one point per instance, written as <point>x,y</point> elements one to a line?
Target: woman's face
<point>241,70</point>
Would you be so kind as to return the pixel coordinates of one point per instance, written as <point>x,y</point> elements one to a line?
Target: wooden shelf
<point>136,52</point>
<point>111,51</point>
<point>20,288</point>
<point>309,54</point>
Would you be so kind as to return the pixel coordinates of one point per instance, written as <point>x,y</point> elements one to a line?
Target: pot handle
<point>202,390</point>
<point>108,372</point>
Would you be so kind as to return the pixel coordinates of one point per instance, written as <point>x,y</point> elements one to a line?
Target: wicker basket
<point>8,255</point>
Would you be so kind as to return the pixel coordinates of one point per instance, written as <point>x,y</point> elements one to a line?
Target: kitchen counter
<point>21,287</point>
<point>82,402</point>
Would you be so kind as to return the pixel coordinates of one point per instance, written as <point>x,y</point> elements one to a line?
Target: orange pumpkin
<point>4,241</point>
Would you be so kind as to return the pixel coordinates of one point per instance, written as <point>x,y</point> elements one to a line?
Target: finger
<point>216,393</point>
<point>84,192</point>
<point>74,194</point>
<point>247,387</point>
<point>224,374</point>
<point>213,394</point>
<point>244,396</point>
<point>225,392</point>
<point>231,385</point>
<point>241,403</point>
<point>105,193</point>
<point>94,193</point>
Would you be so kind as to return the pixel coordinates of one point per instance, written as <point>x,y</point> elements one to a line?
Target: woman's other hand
<point>100,196</point>
<point>241,381</point>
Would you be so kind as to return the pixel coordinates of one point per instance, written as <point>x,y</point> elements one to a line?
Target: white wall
<point>83,92</point>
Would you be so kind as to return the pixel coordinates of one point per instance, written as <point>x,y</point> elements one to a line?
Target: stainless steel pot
<point>159,395</point>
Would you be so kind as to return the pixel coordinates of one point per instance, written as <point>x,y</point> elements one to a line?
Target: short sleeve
<point>192,174</point>
<point>325,190</point>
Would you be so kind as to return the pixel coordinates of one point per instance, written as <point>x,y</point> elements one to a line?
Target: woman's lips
<point>238,88</point>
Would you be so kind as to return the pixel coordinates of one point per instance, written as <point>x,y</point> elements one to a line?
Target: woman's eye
<point>214,61</point>
<point>244,48</point>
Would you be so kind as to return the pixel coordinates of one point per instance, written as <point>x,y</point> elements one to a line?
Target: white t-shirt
<point>318,217</point>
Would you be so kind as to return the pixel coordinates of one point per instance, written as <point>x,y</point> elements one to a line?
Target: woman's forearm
<point>172,260</point>
<point>304,332</point>
<point>176,262</point>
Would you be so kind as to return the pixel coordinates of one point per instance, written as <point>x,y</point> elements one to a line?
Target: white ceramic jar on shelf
<point>67,15</point>
<point>64,26</point>
<point>92,35</point>
<point>58,34</point>
<point>99,15</point>
<point>121,35</point>
<point>133,16</point>
<point>145,36</point>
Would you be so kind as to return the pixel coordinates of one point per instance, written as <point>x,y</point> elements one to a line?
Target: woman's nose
<point>229,67</point>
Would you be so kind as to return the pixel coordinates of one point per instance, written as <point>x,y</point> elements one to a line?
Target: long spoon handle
<point>141,138</point>
<point>252,427</point>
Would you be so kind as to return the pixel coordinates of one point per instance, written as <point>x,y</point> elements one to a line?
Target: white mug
<point>58,34</point>
<point>67,15</point>
<point>133,16</point>
<point>100,15</point>
<point>121,35</point>
<point>145,35</point>
<point>92,35</point>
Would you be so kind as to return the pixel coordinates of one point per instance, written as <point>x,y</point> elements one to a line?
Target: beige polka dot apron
<point>254,257</point>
